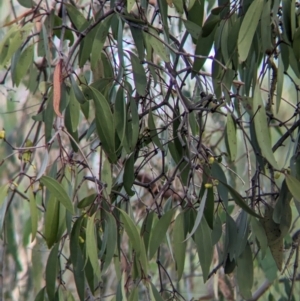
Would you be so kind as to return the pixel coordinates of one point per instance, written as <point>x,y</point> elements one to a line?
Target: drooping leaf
<point>51,221</point>
<point>104,124</point>
<point>139,75</point>
<point>23,64</point>
<point>51,272</point>
<point>294,186</point>
<point>153,131</point>
<point>157,45</point>
<point>262,128</point>
<point>99,40</point>
<point>159,231</point>
<point>199,214</point>
<point>230,138</point>
<point>128,176</point>
<point>204,245</point>
<point>58,191</point>
<point>245,272</point>
<point>33,214</point>
<point>248,28</point>
<point>239,199</point>
<point>111,241</point>
<point>77,258</point>
<point>91,245</point>
<point>260,234</point>
<point>179,245</point>
<point>135,240</point>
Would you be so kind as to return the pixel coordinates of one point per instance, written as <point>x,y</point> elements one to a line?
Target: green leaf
<point>209,207</point>
<point>230,138</point>
<point>248,28</point>
<point>218,173</point>
<point>51,221</point>
<point>86,47</point>
<point>27,4</point>
<point>133,296</point>
<point>138,38</point>
<point>153,132</point>
<point>105,124</point>
<point>245,272</point>
<point>262,128</point>
<point>135,240</point>
<point>159,232</point>
<point>12,41</point>
<point>33,214</point>
<point>120,114</point>
<point>294,186</point>
<point>157,45</point>
<point>139,75</point>
<point>91,245</point>
<point>210,24</point>
<point>128,176</point>
<point>146,229</point>
<point>76,16</point>
<point>217,230</point>
<point>238,199</point>
<point>204,247</point>
<point>41,295</point>
<point>132,232</point>
<point>203,48</point>
<point>179,245</point>
<point>74,110</point>
<point>77,258</point>
<point>106,176</point>
<point>156,295</point>
<point>130,4</point>
<point>111,241</point>
<point>199,214</point>
<point>260,234</point>
<point>134,124</point>
<point>196,12</point>
<point>23,64</point>
<point>99,40</point>
<point>58,191</point>
<point>51,272</point>
<point>265,27</point>
<point>274,236</point>
<point>78,93</point>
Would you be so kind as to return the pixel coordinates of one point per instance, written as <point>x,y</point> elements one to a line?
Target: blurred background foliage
<point>149,150</point>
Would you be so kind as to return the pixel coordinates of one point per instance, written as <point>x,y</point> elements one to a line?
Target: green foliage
<point>177,155</point>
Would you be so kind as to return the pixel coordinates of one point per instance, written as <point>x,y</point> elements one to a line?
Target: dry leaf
<point>57,80</point>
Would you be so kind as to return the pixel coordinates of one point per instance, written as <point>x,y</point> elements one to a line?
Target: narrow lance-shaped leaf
<point>248,28</point>
<point>51,272</point>
<point>231,140</point>
<point>262,128</point>
<point>51,221</point>
<point>204,247</point>
<point>294,186</point>
<point>91,245</point>
<point>179,244</point>
<point>58,191</point>
<point>239,200</point>
<point>139,75</point>
<point>159,231</point>
<point>245,272</point>
<point>33,214</point>
<point>199,214</point>
<point>104,124</point>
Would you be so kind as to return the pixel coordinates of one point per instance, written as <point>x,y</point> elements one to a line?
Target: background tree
<point>150,150</point>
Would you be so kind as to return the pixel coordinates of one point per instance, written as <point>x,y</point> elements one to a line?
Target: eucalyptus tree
<point>150,150</point>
